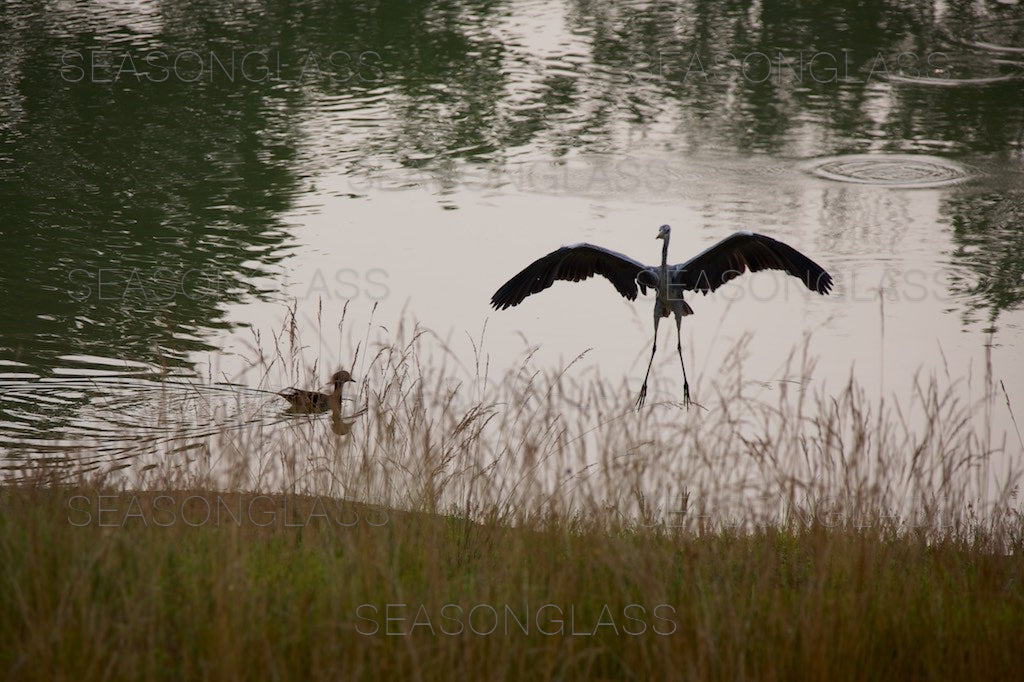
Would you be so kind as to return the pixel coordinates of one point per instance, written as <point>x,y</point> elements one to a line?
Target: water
<point>174,175</point>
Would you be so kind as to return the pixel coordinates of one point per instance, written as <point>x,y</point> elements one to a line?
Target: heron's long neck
<point>664,265</point>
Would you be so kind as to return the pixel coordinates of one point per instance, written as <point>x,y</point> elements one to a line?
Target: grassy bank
<point>527,526</point>
<point>99,584</point>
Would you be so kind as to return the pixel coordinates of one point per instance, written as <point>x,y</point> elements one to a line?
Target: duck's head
<point>341,377</point>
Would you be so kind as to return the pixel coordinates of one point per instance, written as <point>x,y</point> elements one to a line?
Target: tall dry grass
<point>529,525</point>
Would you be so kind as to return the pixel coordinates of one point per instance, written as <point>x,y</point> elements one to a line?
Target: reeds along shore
<point>532,526</point>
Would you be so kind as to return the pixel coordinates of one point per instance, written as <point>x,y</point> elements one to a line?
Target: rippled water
<point>903,171</point>
<point>102,420</point>
<point>174,174</point>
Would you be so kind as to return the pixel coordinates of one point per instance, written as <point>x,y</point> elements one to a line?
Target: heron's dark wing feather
<point>574,263</point>
<point>744,251</point>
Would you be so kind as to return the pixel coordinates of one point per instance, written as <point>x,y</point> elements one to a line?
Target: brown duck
<point>312,401</point>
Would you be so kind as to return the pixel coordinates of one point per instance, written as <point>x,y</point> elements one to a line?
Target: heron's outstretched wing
<point>744,251</point>
<point>574,263</point>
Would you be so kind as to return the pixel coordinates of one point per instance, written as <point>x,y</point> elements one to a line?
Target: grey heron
<point>312,401</point>
<point>705,272</point>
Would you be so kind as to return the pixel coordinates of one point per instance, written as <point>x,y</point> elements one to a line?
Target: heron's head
<point>663,232</point>
<point>341,377</point>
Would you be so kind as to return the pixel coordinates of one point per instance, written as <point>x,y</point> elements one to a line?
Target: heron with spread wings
<point>705,272</point>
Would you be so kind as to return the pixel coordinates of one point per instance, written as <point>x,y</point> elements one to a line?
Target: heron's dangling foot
<point>679,349</point>
<point>643,396</point>
<point>654,349</point>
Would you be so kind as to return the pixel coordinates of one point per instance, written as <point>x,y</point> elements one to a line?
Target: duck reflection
<point>342,425</point>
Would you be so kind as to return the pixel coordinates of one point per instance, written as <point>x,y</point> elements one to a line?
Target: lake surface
<point>175,176</point>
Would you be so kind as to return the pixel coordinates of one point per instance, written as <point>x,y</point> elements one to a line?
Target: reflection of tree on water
<point>133,211</point>
<point>988,229</point>
<point>174,189</point>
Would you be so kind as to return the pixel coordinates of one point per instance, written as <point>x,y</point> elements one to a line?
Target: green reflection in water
<point>988,229</point>
<point>135,210</point>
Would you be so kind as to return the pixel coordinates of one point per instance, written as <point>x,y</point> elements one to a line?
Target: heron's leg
<point>679,349</point>
<point>654,347</point>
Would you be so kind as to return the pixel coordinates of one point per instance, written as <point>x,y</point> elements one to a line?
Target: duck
<point>313,401</point>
